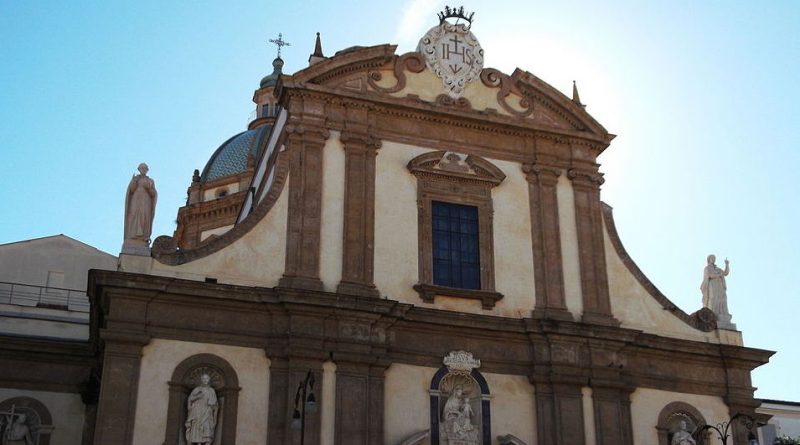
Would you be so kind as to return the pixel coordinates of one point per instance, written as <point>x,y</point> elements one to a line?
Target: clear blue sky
<point>703,96</point>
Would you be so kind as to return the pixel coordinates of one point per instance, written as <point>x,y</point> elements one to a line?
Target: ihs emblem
<point>452,51</point>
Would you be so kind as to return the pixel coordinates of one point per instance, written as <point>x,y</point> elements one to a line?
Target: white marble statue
<point>17,431</point>
<point>140,207</point>
<point>457,419</point>
<point>714,290</point>
<point>201,414</point>
<point>682,436</point>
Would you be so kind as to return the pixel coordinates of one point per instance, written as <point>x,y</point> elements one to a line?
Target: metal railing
<point>43,296</point>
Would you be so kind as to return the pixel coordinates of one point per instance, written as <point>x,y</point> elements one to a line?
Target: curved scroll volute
<point>412,62</point>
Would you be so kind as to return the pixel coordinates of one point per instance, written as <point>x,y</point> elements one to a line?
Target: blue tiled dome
<point>231,157</point>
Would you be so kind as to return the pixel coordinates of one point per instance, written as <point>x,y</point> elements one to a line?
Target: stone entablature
<point>362,333</point>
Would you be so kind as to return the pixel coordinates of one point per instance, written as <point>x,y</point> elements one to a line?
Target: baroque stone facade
<point>370,187</point>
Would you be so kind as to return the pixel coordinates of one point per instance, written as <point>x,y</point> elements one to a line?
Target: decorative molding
<point>496,79</point>
<point>440,164</point>
<point>412,62</point>
<point>427,292</point>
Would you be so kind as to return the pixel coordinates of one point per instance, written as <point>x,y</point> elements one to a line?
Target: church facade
<point>417,241</point>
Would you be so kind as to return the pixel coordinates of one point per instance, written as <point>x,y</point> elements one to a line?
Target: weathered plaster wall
<point>635,308</point>
<point>396,236</point>
<point>513,406</point>
<point>513,251</point>
<point>159,359</point>
<point>67,411</point>
<point>396,261</point>
<point>568,230</point>
<point>406,395</point>
<point>328,411</point>
<point>646,405</point>
<point>332,236</point>
<point>588,416</point>
<point>258,258</point>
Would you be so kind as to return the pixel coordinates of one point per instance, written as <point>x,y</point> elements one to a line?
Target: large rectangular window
<point>456,247</point>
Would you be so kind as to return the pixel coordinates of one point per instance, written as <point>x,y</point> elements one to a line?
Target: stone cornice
<point>404,320</point>
<point>412,107</point>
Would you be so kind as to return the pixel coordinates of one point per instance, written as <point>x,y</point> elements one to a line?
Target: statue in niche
<point>682,436</point>
<point>458,418</point>
<point>17,431</point>
<point>140,207</point>
<point>201,416</point>
<point>714,290</point>
<point>458,423</point>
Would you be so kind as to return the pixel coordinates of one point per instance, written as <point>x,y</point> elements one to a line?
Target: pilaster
<point>359,403</point>
<point>612,414</point>
<point>286,374</point>
<point>305,142</point>
<point>586,181</point>
<point>359,213</point>
<point>559,411</point>
<point>116,410</point>
<point>545,234</point>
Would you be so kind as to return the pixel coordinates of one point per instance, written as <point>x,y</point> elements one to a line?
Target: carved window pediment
<point>448,165</point>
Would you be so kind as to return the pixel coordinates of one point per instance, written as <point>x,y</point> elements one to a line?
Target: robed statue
<point>201,413</point>
<point>715,296</point>
<point>140,207</point>
<point>682,436</point>
<point>457,419</point>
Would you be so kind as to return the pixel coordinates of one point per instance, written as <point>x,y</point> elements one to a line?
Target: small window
<point>222,193</point>
<point>456,254</point>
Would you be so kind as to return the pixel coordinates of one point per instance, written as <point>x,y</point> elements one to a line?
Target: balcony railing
<point>43,296</point>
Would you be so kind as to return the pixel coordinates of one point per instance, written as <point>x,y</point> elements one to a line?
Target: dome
<point>231,157</point>
<point>271,79</point>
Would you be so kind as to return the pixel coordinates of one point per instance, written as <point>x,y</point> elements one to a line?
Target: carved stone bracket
<point>428,291</point>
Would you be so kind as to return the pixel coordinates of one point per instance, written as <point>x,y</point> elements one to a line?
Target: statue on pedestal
<point>201,413</point>
<point>715,296</point>
<point>140,208</point>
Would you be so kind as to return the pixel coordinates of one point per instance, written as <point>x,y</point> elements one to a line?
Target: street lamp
<point>722,428</point>
<point>304,402</point>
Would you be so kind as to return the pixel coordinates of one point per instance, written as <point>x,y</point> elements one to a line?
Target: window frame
<point>456,178</point>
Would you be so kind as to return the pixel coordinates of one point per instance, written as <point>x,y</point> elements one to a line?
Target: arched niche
<point>185,378</point>
<point>38,418</point>
<point>669,420</point>
<point>474,389</point>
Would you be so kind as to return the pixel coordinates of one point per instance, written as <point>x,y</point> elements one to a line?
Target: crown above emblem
<point>455,13</point>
